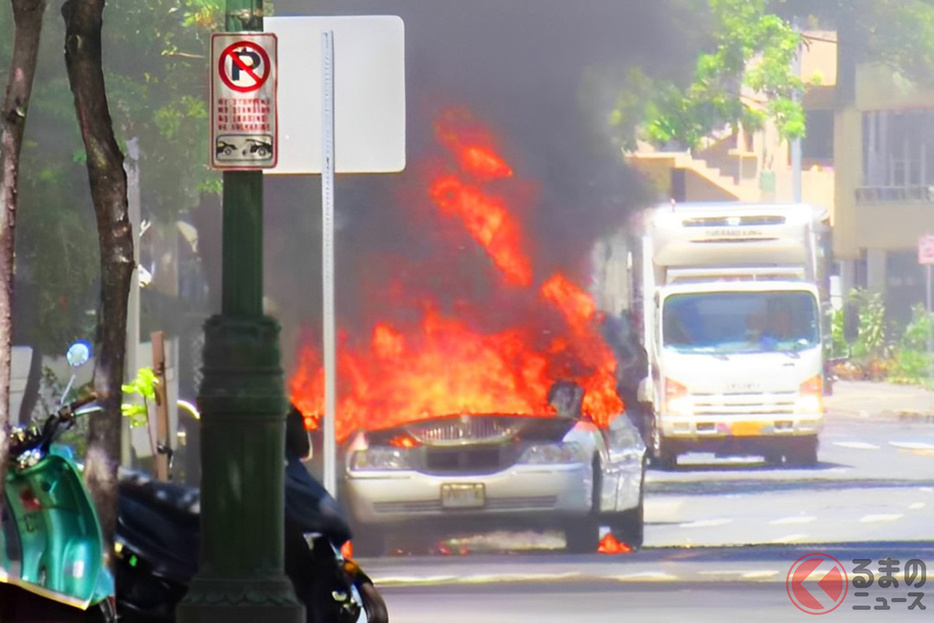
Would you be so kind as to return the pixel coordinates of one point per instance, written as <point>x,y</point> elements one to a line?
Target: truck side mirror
<point>851,322</point>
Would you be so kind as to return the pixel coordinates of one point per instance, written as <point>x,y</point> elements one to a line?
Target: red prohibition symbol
<point>248,68</point>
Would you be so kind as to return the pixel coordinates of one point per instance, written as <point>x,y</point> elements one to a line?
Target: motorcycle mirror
<point>78,353</point>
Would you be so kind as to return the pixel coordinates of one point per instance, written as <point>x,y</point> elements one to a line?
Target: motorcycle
<point>51,542</point>
<point>157,545</point>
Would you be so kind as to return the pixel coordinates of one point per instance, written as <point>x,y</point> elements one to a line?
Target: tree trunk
<point>83,22</point>
<point>27,16</point>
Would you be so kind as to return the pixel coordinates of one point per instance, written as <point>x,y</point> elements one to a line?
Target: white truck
<point>734,309</point>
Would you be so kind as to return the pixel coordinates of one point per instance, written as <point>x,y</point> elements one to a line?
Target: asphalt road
<point>721,537</point>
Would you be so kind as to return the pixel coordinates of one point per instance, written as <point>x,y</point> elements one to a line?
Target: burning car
<point>465,406</point>
<point>494,470</point>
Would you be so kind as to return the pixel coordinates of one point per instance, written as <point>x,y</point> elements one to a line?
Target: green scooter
<point>50,536</point>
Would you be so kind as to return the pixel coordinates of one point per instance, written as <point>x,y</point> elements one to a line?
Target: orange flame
<point>611,545</point>
<point>489,222</point>
<point>441,365</point>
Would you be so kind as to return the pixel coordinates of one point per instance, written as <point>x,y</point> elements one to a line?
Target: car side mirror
<point>851,323</point>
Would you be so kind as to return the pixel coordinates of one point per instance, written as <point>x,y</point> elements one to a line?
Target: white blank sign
<point>369,93</point>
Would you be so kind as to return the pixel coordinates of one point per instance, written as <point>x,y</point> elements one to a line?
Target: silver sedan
<point>472,472</point>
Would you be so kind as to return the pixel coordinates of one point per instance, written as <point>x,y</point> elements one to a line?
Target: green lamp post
<point>241,576</point>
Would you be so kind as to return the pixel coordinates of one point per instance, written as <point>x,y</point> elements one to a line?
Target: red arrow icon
<point>832,582</point>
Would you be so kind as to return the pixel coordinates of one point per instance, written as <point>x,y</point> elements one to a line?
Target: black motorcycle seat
<point>185,502</point>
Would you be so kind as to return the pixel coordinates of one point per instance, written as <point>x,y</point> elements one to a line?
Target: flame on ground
<point>609,544</point>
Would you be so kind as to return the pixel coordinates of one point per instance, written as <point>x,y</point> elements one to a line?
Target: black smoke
<point>517,65</point>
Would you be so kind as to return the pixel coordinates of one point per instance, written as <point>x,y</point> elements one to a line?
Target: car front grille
<point>473,460</point>
<point>469,429</point>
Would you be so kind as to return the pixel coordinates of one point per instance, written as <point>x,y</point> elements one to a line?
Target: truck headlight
<point>553,453</point>
<point>380,459</point>
<point>677,399</point>
<point>811,395</point>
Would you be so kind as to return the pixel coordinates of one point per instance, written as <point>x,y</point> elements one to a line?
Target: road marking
<point>912,445</point>
<point>916,506</point>
<point>880,517</point>
<point>792,520</point>
<point>518,577</point>
<point>706,523</point>
<point>764,574</point>
<point>790,538</point>
<point>644,576</point>
<point>856,445</point>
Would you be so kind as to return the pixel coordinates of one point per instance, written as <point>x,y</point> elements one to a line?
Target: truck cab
<point>734,317</point>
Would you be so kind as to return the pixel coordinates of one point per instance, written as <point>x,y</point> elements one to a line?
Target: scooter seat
<point>177,499</point>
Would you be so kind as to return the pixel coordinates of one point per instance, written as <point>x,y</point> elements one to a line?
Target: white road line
<point>916,506</point>
<point>856,445</point>
<point>645,576</point>
<point>742,573</point>
<point>706,523</point>
<point>880,518</point>
<point>790,538</point>
<point>765,573</point>
<point>792,520</point>
<point>912,445</point>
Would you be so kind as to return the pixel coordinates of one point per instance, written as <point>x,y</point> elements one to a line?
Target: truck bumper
<point>723,427</point>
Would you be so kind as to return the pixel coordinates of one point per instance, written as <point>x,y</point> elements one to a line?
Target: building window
<point>898,148</point>
<point>817,145</point>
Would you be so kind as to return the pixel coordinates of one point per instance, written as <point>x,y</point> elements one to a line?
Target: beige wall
<point>889,226</point>
<point>893,226</point>
<point>848,164</point>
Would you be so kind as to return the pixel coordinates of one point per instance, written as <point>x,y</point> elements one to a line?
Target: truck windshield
<point>740,322</point>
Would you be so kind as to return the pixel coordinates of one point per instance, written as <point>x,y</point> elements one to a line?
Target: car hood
<point>459,430</point>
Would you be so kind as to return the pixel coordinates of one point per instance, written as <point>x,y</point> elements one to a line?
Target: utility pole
<point>241,577</point>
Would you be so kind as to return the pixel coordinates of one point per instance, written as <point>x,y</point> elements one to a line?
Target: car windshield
<point>740,322</point>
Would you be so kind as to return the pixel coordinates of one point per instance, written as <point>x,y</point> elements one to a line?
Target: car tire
<point>368,542</point>
<point>802,452</point>
<point>582,535</point>
<point>629,526</point>
<point>662,456</point>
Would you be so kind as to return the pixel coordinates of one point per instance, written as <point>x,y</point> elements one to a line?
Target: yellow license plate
<point>746,429</point>
<point>463,496</point>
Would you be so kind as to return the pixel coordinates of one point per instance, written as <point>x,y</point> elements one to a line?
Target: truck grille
<point>779,403</point>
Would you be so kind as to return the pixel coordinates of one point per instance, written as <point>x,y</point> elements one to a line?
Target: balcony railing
<point>894,194</point>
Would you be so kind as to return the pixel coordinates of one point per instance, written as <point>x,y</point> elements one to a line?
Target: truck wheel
<point>802,452</point>
<point>662,456</point>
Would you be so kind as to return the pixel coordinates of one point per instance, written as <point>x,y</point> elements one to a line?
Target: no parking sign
<point>243,101</point>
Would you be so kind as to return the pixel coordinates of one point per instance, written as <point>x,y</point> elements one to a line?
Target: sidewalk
<point>868,399</point>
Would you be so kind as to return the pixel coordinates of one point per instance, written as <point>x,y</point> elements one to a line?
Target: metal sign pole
<point>327,231</point>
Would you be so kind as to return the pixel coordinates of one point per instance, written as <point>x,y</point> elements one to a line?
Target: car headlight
<point>554,453</point>
<point>380,459</point>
